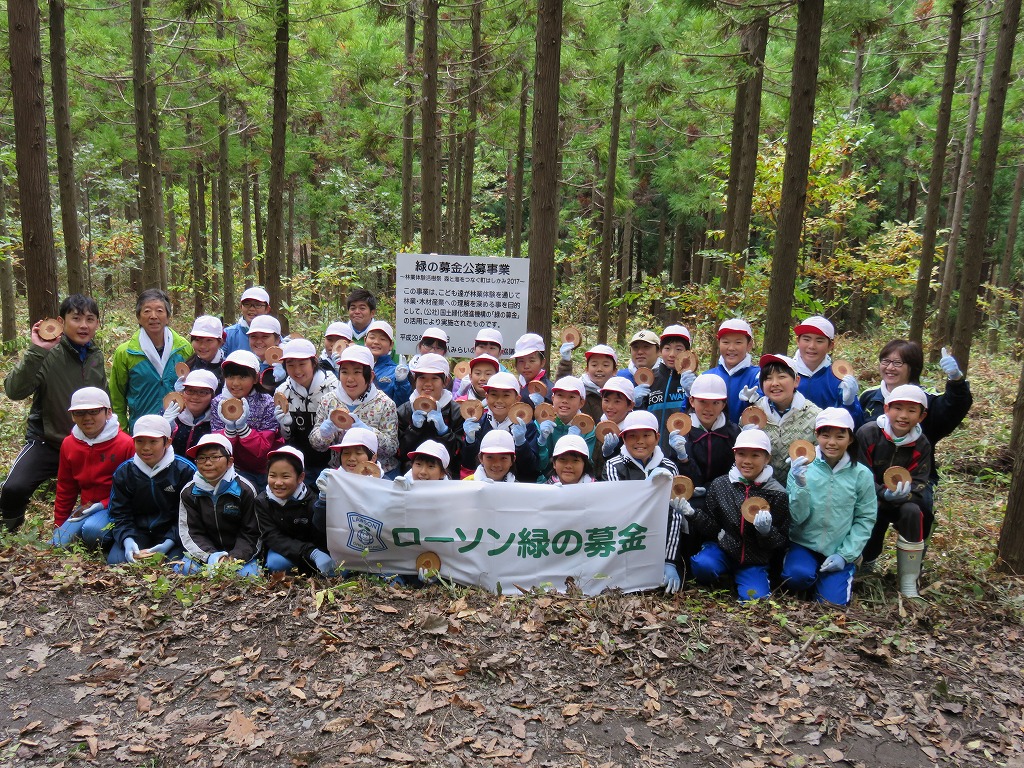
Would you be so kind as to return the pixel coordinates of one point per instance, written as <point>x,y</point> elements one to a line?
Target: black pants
<point>36,464</point>
<point>911,521</point>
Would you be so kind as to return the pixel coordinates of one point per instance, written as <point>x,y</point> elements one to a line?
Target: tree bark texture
<point>8,309</point>
<point>408,125</point>
<point>517,202</point>
<point>1003,281</point>
<point>430,149</point>
<point>144,148</point>
<point>1011,536</point>
<point>469,143</point>
<point>275,194</point>
<point>227,254</point>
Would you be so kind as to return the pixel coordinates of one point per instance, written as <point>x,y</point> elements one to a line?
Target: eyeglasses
<point>433,344</point>
<point>209,459</point>
<point>196,392</point>
<point>250,304</point>
<point>897,364</point>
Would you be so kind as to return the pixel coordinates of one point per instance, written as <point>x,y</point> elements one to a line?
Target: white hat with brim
<point>527,344</point>
<point>753,438</point>
<point>571,444</point>
<point>384,327</point>
<point>151,425</point>
<point>736,325</point>
<point>818,326</point>
<point>214,438</point>
<point>255,294</point>
<point>287,450</point>
<point>709,386</point>
<point>676,331</point>
<point>244,358</point>
<point>489,335</point>
<point>570,384</point>
<point>833,417</point>
<point>432,448</point>
<point>907,393</point>
<point>357,436</point>
<point>431,363</point>
<point>637,420</point>
<point>265,324</point>
<point>503,380</point>
<point>298,349</point>
<point>207,327</point>
<point>435,333</point>
<point>356,354</point>
<point>498,441</point>
<point>621,385</point>
<point>602,349</point>
<point>200,377</point>
<point>89,399</point>
<point>344,330</point>
<point>485,358</point>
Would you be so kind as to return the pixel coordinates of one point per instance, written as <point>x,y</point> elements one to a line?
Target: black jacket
<point>293,529</point>
<point>410,437</point>
<point>742,541</point>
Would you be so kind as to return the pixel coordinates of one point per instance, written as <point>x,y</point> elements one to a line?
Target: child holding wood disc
<point>735,365</point>
<point>571,463</point>
<point>502,393</point>
<point>819,383</point>
<point>529,354</point>
<point>567,395</point>
<point>602,362</point>
<point>788,414</point>
<point>667,394</point>
<point>430,413</point>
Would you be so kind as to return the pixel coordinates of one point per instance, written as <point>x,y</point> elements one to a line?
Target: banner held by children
<point>505,536</point>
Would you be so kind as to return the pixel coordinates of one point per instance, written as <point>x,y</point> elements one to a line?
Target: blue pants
<point>190,567</point>
<point>712,563</point>
<point>800,571</point>
<point>277,562</point>
<point>95,531</point>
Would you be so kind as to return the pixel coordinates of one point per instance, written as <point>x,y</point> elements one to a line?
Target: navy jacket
<point>145,508</point>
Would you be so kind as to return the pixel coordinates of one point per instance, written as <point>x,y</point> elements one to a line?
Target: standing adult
<point>142,371</point>
<point>50,371</point>
<point>255,302</point>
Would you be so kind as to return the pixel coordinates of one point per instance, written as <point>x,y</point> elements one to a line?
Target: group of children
<point>235,469</point>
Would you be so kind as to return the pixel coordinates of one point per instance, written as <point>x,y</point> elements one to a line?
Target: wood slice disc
<point>50,329</point>
<point>367,469</point>
<point>182,370</point>
<point>644,376</point>
<point>428,561</point>
<point>605,428</point>
<point>755,416</point>
<point>142,554</point>
<point>842,368</point>
<point>281,401</point>
<point>752,506</point>
<point>522,411</point>
<point>679,422</point>
<point>471,409</point>
<point>583,422</point>
<point>424,403</point>
<point>545,412</point>
<point>232,408</point>
<point>537,388</point>
<point>895,475</point>
<point>341,418</point>
<point>572,335</point>
<point>174,397</point>
<point>340,346</point>
<point>682,486</point>
<point>461,370</point>
<point>273,355</point>
<point>687,361</point>
<point>800,448</point>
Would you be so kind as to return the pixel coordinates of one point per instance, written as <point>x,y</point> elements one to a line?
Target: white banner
<point>460,294</point>
<point>503,536</point>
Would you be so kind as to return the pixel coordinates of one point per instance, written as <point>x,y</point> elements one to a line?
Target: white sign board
<point>503,536</point>
<point>460,294</point>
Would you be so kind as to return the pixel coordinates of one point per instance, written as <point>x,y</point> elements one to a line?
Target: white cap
<point>570,444</point>
<point>908,393</point>
<point>356,354</point>
<point>527,344</point>
<point>676,330</point>
<point>288,450</point>
<point>207,327</point>
<point>298,349</point>
<point>339,329</point>
<point>432,448</point>
<point>498,441</point>
<point>833,417</point>
<point>490,335</point>
<point>151,425</point>
<point>202,378</point>
<point>431,363</point>
<point>570,384</point>
<point>709,386</point>
<point>736,325</point>
<point>503,380</point>
<point>602,349</point>
<point>88,398</point>
<point>365,438</point>
<point>485,358</point>
<point>785,360</point>
<point>265,324</point>
<point>817,325</point>
<point>214,438</point>
<point>256,294</point>
<point>244,358</point>
<point>621,385</point>
<point>384,326</point>
<point>753,438</point>
<point>639,420</point>
<point>645,336</point>
<point>435,333</point>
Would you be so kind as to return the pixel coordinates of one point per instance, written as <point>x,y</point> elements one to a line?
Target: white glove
<point>321,481</point>
<point>849,387</point>
<point>798,470</point>
<point>565,351</point>
<point>544,430</point>
<point>671,579</point>
<point>131,549</point>
<point>678,444</point>
<point>172,412</point>
<point>750,394</point>
<point>682,506</point>
<point>235,425</point>
<point>404,482</point>
<point>464,386</point>
<point>902,492</point>
<point>471,427</point>
<point>283,417</point>
<point>833,563</point>
<point>950,366</point>
<point>426,577</point>
<point>536,399</point>
<point>640,391</point>
<point>401,372</point>
<point>763,522</point>
<point>686,379</point>
<point>611,442</point>
<point>660,472</point>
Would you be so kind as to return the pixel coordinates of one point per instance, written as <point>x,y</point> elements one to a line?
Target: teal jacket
<point>135,387</point>
<point>561,430</point>
<point>835,512</point>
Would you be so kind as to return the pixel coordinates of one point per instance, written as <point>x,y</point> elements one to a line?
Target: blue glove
<point>565,351</point>
<point>238,424</point>
<point>950,366</point>
<point>544,429</point>
<point>832,564</point>
<point>464,386</point>
<point>640,391</point>
<point>750,394</point>
<point>671,579</point>
<point>798,470</point>
<point>686,379</point>
<point>327,429</point>
<point>357,422</point>
<point>163,547</point>
<point>437,419</point>
<point>610,445</point>
<point>536,399</point>
<point>323,562</point>
<point>902,492</point>
<point>419,418</point>
<point>848,387</point>
<point>678,444</point>
<point>519,432</point>
<point>131,549</point>
<point>574,430</point>
<point>471,427</point>
<point>401,372</point>
<point>763,522</point>
<point>279,372</point>
<point>216,557</point>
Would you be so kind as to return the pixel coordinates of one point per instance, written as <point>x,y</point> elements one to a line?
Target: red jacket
<point>86,472</point>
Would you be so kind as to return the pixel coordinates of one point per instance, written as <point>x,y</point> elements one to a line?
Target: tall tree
<point>1011,535</point>
<point>8,313</point>
<point>430,141</point>
<point>223,194</point>
<point>279,136</point>
<point>520,172</point>
<point>469,143</point>
<point>544,189</point>
<point>974,246</point>
<point>148,205</point>
<point>26,58</point>
<point>408,124</point>
<point>794,175</point>
<point>1003,280</point>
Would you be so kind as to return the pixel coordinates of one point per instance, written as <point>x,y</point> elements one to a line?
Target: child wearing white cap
<point>669,392</point>
<point>370,408</point>
<point>207,339</point>
<point>616,404</point>
<point>570,463</point>
<point>502,392</point>
<point>391,378</point>
<point>443,423</point>
<point>497,456</point>
<point>790,415</point>
<point>735,365</point>
<point>732,545</point>
<point>602,362</point>
<point>567,395</point>
<point>481,369</point>
<point>815,340</point>
<point>190,423</point>
<point>88,457</point>
<point>255,301</point>
<point>488,341</point>
<point>334,333</point>
<point>146,495</point>
<point>430,461</point>
<point>265,332</point>
<point>896,439</point>
<point>832,507</point>
<point>433,340</point>
<point>529,354</point>
<point>709,444</point>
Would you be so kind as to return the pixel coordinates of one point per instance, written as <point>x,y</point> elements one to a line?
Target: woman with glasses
<point>433,340</point>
